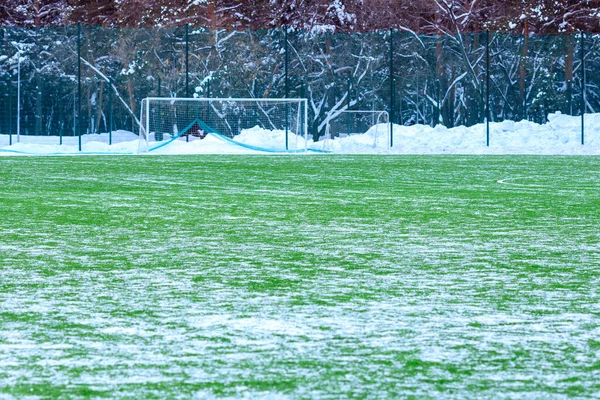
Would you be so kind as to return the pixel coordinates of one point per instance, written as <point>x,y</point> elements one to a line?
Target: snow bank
<point>269,139</point>
<point>123,142</point>
<point>560,135</point>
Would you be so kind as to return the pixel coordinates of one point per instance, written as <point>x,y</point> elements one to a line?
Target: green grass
<point>302,277</point>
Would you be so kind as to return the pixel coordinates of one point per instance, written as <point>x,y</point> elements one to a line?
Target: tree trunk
<point>90,126</point>
<point>522,72</point>
<point>131,93</point>
<point>99,113</point>
<point>569,58</point>
<point>442,82</point>
<point>38,104</point>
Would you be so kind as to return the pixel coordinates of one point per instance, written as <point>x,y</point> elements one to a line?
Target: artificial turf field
<point>301,277</point>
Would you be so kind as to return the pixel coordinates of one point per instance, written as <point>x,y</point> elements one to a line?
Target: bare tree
<point>34,13</point>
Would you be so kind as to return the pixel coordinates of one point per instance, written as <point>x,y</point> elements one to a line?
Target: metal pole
<point>287,85</point>
<point>439,94</point>
<point>60,129</point>
<point>187,70</point>
<point>9,92</point>
<point>187,60</point>
<point>110,110</point>
<point>487,88</point>
<point>392,88</point>
<point>582,88</point>
<point>10,107</point>
<point>348,104</point>
<point>158,134</point>
<point>147,133</point>
<point>305,124</point>
<point>79,84</point>
<point>19,99</point>
<point>60,123</point>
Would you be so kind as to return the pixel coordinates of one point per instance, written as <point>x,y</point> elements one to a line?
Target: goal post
<point>271,125</point>
<point>374,123</point>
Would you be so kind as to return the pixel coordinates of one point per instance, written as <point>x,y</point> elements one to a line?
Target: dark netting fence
<point>69,82</point>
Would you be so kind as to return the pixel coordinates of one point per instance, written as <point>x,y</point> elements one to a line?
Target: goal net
<point>271,125</point>
<point>373,125</point>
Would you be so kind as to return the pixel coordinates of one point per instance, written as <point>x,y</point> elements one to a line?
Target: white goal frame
<point>382,117</point>
<point>144,132</point>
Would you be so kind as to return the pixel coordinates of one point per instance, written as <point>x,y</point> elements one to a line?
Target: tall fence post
<point>487,88</point>
<point>8,84</point>
<point>110,110</point>
<point>10,106</point>
<point>9,89</point>
<point>79,84</point>
<point>158,135</point>
<point>287,84</point>
<point>392,88</point>
<point>438,112</point>
<point>348,105</point>
<point>19,96</point>
<point>583,87</point>
<point>187,66</point>
<point>59,124</point>
<point>187,60</point>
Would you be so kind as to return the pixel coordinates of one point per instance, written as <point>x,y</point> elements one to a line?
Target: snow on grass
<point>315,277</point>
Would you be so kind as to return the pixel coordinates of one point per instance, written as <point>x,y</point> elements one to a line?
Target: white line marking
<point>503,182</point>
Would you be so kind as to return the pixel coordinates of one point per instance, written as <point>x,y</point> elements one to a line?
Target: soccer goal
<point>374,125</point>
<point>271,125</point>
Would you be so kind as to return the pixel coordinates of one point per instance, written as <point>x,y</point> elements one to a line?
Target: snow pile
<point>560,135</point>
<point>375,140</point>
<point>123,142</point>
<point>269,139</point>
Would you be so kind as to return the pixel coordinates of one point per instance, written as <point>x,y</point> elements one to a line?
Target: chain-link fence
<point>67,82</point>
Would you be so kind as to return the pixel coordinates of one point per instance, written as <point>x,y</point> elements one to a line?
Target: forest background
<point>425,16</point>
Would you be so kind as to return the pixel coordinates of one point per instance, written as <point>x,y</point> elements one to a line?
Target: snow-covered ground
<point>561,135</point>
